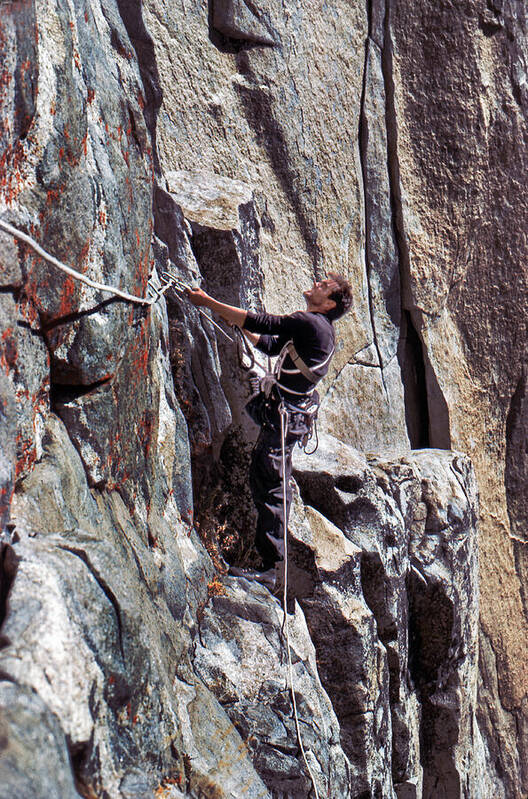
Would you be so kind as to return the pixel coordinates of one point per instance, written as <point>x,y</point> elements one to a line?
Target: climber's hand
<point>198,296</point>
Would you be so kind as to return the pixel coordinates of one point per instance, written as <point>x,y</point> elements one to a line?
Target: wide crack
<point>426,410</point>
<point>8,569</point>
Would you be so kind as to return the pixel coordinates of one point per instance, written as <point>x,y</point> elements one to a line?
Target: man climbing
<point>299,368</point>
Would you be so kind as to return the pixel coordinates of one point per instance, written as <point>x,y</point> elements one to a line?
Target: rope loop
<point>283,411</point>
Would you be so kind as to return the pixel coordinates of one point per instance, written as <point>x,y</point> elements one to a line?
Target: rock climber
<point>298,370</point>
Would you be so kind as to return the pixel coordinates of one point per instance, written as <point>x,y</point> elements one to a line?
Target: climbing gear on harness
<point>260,404</point>
<point>305,370</point>
<point>301,368</point>
<point>262,409</point>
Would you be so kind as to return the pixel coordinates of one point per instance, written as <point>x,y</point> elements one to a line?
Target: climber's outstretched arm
<point>232,315</point>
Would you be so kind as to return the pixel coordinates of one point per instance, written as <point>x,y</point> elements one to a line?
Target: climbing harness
<point>261,401</point>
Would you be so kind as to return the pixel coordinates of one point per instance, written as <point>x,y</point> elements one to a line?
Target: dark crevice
<point>426,411</point>
<point>5,677</point>
<point>376,593</point>
<point>74,317</point>
<point>363,134</point>
<point>61,394</point>
<point>13,289</point>
<point>410,358</point>
<point>8,569</point>
<point>516,461</point>
<point>36,333</point>
<point>143,44</point>
<point>431,623</point>
<point>103,585</point>
<point>489,28</point>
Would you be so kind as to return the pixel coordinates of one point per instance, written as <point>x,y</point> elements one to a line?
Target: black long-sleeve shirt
<point>312,334</point>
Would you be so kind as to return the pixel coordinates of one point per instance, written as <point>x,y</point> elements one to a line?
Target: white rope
<point>168,276</point>
<point>180,286</point>
<point>284,420</point>
<point>69,271</point>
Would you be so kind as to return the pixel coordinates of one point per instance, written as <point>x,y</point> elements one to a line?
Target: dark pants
<point>266,479</point>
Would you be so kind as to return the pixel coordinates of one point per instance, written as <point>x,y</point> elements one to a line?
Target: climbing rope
<point>284,426</point>
<point>69,271</point>
<point>168,278</point>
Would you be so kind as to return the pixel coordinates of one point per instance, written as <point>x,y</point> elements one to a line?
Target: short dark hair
<point>342,296</point>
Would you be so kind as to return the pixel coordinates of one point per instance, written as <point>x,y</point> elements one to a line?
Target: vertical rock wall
<point>257,147</point>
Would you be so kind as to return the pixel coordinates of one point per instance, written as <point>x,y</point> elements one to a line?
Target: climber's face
<point>318,297</point>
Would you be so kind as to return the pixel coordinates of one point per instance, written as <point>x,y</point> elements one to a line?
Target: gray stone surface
<point>255,147</point>
<point>412,521</point>
<point>34,756</point>
<point>242,660</point>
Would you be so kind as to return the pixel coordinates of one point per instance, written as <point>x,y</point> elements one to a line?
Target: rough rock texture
<point>400,548</point>
<point>254,147</point>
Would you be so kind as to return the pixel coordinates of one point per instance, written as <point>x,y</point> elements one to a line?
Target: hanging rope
<point>169,278</point>
<point>69,271</point>
<point>284,426</point>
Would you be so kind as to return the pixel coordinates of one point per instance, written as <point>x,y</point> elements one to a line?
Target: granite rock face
<point>253,148</point>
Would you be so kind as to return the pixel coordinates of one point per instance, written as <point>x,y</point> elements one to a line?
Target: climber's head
<point>331,296</point>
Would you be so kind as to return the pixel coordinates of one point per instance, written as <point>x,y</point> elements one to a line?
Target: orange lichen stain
<point>26,450</point>
<point>125,156</point>
<point>215,587</point>
<point>25,67</point>
<point>84,143</point>
<point>26,459</point>
<point>145,431</point>
<point>61,153</point>
<point>67,294</point>
<point>72,26</point>
<point>86,16</point>
<point>53,196</point>
<point>9,350</point>
<point>91,95</point>
<point>11,172</point>
<point>85,249</point>
<point>102,217</point>
<point>53,109</point>
<point>66,132</point>
<point>29,303</point>
<point>141,102</point>
<point>164,789</point>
